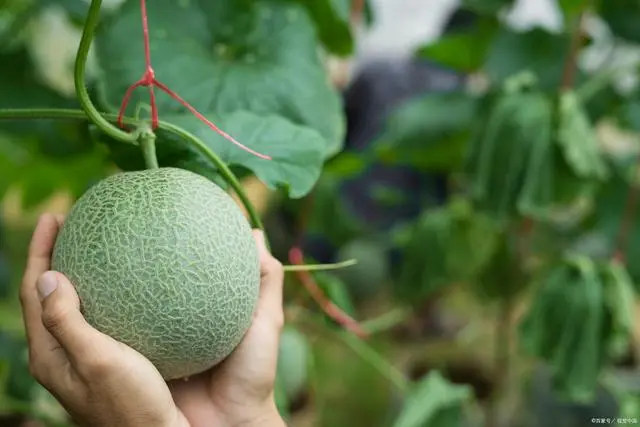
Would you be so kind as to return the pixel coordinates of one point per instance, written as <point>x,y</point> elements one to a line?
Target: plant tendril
<point>149,80</point>
<point>79,78</point>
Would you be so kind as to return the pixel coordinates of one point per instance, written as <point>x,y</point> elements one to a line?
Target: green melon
<point>293,360</point>
<point>164,261</point>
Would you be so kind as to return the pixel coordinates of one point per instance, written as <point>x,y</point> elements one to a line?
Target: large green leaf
<point>536,50</point>
<point>428,132</point>
<point>223,56</point>
<point>463,51</point>
<point>431,403</point>
<point>332,19</point>
<point>487,7</point>
<point>296,151</point>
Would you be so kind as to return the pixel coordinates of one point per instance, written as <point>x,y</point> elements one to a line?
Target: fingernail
<point>47,283</point>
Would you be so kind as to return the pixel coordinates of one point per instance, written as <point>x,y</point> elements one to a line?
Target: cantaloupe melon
<point>164,261</point>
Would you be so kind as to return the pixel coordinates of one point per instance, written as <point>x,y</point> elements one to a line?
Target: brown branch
<point>357,11</point>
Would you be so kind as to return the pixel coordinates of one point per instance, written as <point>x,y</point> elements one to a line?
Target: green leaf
<point>561,167</point>
<point>329,216</point>
<point>430,400</point>
<point>21,88</point>
<point>463,51</point>
<point>336,290</point>
<point>460,242</point>
<point>224,56</point>
<point>473,242</point>
<point>501,154</point>
<point>620,307</point>
<point>39,175</point>
<point>570,8</point>
<point>296,151</point>
<point>565,327</point>
<point>622,17</point>
<point>579,141</point>
<point>608,217</point>
<point>19,382</point>
<point>423,273</point>
<point>501,276</point>
<point>536,50</point>
<point>428,132</point>
<point>332,19</point>
<point>578,367</point>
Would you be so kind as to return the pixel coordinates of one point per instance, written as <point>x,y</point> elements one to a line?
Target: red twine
<point>149,80</point>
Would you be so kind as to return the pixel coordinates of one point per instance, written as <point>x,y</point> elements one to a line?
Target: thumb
<point>61,315</point>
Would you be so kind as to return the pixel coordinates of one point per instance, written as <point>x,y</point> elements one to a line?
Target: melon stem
<point>148,145</point>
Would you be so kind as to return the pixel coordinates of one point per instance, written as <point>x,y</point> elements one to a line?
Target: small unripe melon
<point>164,261</point>
<point>293,358</point>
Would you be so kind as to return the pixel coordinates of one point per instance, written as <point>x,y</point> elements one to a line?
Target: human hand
<point>240,391</point>
<point>99,381</point>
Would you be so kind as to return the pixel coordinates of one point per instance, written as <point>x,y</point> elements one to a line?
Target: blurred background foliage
<point>483,175</point>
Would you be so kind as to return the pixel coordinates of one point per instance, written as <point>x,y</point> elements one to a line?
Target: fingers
<point>38,262</point>
<point>272,280</point>
<point>40,249</point>
<point>62,319</point>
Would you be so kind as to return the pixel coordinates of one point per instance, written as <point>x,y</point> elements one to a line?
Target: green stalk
<point>376,361</point>
<point>367,353</point>
<point>321,267</point>
<point>89,109</point>
<point>148,144</point>
<point>386,321</point>
<point>227,174</point>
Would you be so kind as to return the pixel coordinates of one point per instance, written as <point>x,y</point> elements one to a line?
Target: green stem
<point>386,321</point>
<point>148,144</point>
<point>89,109</point>
<point>320,267</point>
<point>366,353</point>
<point>375,360</point>
<point>227,174</point>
